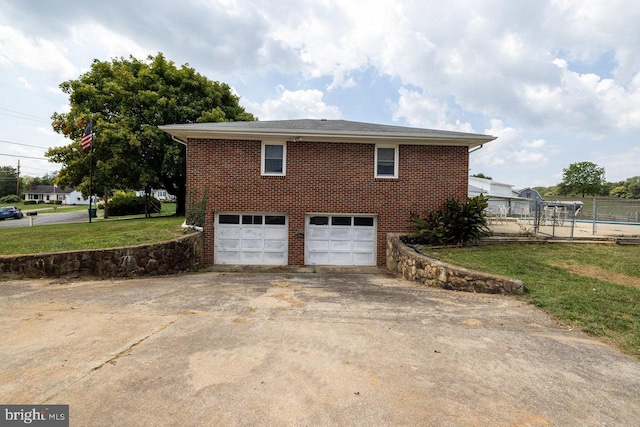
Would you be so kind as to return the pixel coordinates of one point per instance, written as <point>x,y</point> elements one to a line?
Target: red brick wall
<point>323,177</point>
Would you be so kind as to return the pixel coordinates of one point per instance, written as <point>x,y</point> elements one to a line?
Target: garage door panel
<point>274,245</point>
<point>251,258</point>
<point>340,240</point>
<point>226,232</point>
<point>252,233</point>
<point>252,245</point>
<point>337,258</point>
<point>228,257</point>
<point>364,233</point>
<point>318,245</point>
<point>318,232</point>
<point>276,233</point>
<point>363,246</point>
<point>274,258</point>
<point>341,233</point>
<point>228,244</point>
<point>362,258</point>
<point>251,240</point>
<point>340,245</point>
<point>318,258</point>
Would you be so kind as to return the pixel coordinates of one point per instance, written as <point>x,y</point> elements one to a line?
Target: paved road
<point>302,349</point>
<point>47,218</point>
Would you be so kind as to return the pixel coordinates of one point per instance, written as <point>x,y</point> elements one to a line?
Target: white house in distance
<point>502,198</point>
<point>159,193</point>
<point>49,193</point>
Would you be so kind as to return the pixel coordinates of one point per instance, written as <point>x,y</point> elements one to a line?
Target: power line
<point>24,157</point>
<point>24,145</point>
<point>23,114</point>
<point>24,118</point>
<point>29,92</point>
<point>31,169</point>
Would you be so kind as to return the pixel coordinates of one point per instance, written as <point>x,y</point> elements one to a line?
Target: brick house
<point>317,192</point>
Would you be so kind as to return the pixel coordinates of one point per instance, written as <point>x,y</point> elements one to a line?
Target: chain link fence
<point>573,217</point>
<point>555,218</point>
<point>611,211</point>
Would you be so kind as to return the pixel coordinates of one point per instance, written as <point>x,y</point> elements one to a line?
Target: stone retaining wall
<point>174,256</point>
<point>407,263</point>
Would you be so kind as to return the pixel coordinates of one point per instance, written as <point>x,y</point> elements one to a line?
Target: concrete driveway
<point>325,348</point>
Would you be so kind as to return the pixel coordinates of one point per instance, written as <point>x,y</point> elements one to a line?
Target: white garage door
<point>340,240</point>
<point>251,239</point>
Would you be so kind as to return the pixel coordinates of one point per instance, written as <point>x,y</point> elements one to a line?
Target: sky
<point>556,81</point>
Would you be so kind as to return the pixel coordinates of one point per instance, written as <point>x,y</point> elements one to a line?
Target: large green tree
<point>630,188</point>
<point>127,99</point>
<point>582,178</point>
<point>8,180</point>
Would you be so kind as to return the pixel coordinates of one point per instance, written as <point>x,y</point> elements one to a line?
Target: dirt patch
<point>290,299</point>
<point>600,274</point>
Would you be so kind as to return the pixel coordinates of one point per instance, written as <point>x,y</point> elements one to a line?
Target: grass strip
<point>109,233</point>
<point>554,281</point>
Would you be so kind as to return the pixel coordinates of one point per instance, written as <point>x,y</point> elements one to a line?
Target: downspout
<point>179,141</point>
<point>476,149</point>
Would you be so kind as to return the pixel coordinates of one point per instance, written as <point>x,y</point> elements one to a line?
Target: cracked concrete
<point>287,348</point>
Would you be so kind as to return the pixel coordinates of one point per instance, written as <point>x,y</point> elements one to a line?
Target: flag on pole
<point>87,137</point>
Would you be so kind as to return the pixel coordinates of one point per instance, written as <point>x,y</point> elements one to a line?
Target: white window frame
<point>396,150</point>
<point>263,160</point>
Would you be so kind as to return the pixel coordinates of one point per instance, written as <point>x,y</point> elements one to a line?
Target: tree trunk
<point>181,200</point>
<point>106,202</point>
<point>147,200</point>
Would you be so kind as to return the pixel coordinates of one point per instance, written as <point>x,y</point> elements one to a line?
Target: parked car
<point>10,212</point>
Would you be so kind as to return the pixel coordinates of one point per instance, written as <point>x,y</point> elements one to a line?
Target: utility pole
<point>18,183</point>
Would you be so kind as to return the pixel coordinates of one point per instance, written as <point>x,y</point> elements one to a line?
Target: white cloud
<point>620,166</point>
<point>524,156</point>
<point>105,41</point>
<point>25,83</point>
<point>422,110</point>
<point>585,103</point>
<point>294,105</point>
<point>560,63</point>
<point>538,143</point>
<point>510,148</point>
<point>39,54</point>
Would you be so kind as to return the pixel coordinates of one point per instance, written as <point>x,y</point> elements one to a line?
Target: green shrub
<point>131,205</point>
<point>196,211</point>
<point>10,199</point>
<point>30,202</point>
<point>457,223</point>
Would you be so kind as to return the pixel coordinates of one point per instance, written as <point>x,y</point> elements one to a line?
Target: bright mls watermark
<point>36,415</point>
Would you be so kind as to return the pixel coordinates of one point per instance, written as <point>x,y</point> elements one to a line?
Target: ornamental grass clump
<point>455,224</point>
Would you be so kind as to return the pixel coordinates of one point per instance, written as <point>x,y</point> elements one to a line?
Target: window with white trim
<point>386,161</point>
<point>274,158</point>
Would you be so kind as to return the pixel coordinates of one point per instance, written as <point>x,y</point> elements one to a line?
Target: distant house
<point>160,194</point>
<point>49,194</point>
<point>533,196</point>
<point>502,197</point>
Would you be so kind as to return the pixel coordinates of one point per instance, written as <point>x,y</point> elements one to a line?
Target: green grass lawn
<point>593,287</point>
<point>100,233</point>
